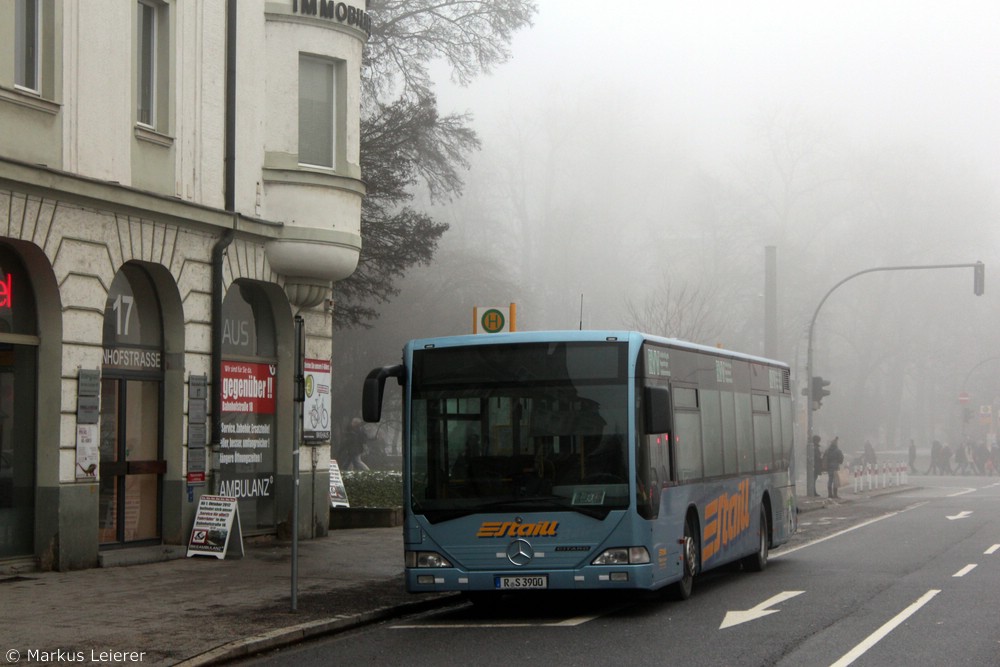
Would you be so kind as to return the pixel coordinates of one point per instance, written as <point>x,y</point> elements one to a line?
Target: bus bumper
<point>625,577</point>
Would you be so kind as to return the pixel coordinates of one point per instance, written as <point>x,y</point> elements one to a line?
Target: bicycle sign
<point>316,409</point>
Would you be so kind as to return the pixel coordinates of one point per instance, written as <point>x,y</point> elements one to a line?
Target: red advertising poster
<point>248,387</point>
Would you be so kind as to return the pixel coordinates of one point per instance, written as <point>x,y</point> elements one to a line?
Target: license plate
<point>521,582</point>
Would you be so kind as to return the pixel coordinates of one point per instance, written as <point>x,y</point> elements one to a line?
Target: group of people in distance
<point>969,459</point>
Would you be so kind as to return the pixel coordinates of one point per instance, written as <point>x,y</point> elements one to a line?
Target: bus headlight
<point>425,559</point>
<point>622,556</point>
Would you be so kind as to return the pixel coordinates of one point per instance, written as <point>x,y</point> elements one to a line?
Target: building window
<point>27,42</point>
<point>317,111</point>
<point>146,70</point>
<point>153,44</point>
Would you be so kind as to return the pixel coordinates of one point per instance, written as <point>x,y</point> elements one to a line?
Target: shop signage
<point>246,445</point>
<point>248,387</point>
<point>6,292</point>
<point>341,12</point>
<point>316,409</point>
<point>132,359</point>
<point>88,382</point>
<point>218,517</point>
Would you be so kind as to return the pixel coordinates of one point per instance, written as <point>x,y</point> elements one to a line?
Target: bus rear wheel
<point>756,562</point>
<point>690,554</point>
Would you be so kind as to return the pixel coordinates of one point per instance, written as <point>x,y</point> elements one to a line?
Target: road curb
<point>279,637</point>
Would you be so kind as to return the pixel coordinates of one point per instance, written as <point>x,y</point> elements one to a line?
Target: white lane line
<point>992,550</point>
<point>879,634</point>
<point>965,570</point>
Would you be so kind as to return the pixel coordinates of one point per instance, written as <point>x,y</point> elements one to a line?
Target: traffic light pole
<point>811,472</point>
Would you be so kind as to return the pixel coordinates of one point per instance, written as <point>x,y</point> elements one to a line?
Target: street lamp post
<point>978,288</point>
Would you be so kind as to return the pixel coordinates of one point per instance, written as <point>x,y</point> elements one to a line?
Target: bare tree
<point>406,143</point>
<point>682,311</point>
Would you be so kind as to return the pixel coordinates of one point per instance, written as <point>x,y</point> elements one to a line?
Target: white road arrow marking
<point>960,515</point>
<point>760,611</point>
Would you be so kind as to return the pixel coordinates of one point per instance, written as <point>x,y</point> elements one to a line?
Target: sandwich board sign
<point>214,523</point>
<point>338,494</point>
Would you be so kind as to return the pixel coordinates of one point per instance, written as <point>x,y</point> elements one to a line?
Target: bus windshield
<point>528,427</point>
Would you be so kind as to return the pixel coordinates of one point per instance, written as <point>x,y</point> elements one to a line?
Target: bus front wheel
<point>690,555</point>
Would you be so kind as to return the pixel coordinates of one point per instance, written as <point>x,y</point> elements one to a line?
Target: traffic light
<point>818,391</point>
<point>979,278</point>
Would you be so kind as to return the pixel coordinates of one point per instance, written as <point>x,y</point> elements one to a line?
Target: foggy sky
<point>891,70</point>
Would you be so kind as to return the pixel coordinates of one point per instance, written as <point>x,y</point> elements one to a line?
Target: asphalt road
<point>905,579</point>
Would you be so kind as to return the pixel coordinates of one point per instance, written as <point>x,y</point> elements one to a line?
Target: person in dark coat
<point>817,462</point>
<point>834,458</point>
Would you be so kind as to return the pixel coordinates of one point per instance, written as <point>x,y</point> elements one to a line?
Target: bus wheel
<point>690,555</point>
<point>756,562</point>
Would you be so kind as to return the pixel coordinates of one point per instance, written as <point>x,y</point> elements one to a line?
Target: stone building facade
<point>179,183</point>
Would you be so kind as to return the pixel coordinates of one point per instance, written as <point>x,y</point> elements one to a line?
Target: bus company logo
<point>726,518</point>
<point>517,529</point>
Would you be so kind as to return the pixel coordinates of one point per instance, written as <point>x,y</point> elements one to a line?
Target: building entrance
<point>18,406</point>
<point>131,426</point>
<point>131,461</point>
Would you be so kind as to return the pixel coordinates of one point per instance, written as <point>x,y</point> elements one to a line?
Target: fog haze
<point>700,71</point>
<point>639,157</point>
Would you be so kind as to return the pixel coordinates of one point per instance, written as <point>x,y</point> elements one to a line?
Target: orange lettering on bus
<point>726,518</point>
<point>513,529</point>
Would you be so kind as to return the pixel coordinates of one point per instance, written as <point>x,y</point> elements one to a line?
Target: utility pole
<point>978,287</point>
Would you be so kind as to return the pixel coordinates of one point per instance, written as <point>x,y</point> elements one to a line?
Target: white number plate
<point>521,582</point>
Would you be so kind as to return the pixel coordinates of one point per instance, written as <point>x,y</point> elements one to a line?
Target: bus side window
<point>762,432</point>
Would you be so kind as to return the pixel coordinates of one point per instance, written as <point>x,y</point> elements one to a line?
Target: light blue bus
<point>587,460</point>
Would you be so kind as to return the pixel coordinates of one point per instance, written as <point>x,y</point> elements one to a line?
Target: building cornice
<point>101,195</point>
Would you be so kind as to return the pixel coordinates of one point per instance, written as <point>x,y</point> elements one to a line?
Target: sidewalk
<point>200,611</point>
<point>196,611</point>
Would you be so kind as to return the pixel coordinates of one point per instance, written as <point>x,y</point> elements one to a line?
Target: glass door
<point>132,464</point>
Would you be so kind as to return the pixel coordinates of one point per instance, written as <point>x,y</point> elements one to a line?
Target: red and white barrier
<point>869,477</point>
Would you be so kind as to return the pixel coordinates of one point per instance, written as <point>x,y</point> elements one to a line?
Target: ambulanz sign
<point>340,12</point>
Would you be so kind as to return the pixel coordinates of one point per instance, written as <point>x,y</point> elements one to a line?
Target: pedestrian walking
<point>834,458</point>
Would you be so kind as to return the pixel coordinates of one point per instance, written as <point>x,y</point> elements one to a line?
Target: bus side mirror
<point>374,388</point>
<point>657,409</point>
